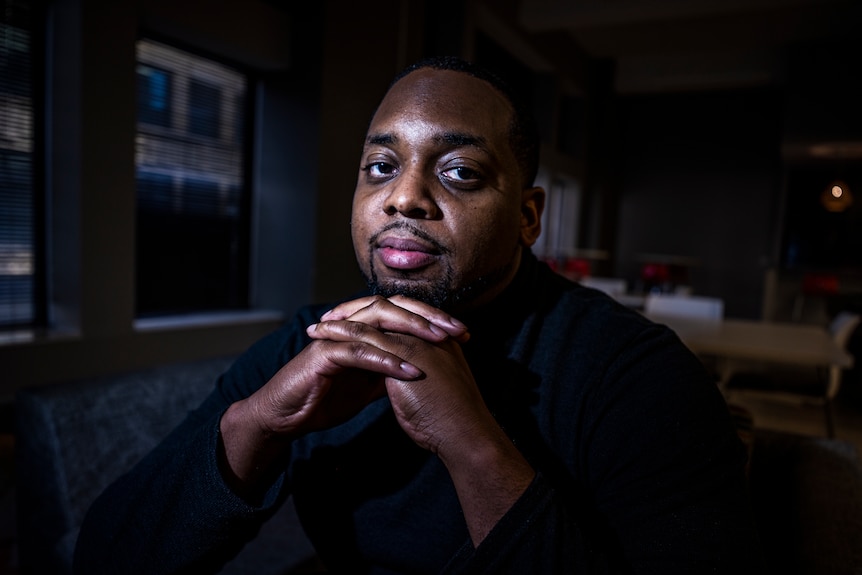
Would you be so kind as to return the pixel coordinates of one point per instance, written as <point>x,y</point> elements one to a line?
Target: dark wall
<point>700,177</point>
<point>824,91</point>
<point>363,49</point>
<point>360,57</point>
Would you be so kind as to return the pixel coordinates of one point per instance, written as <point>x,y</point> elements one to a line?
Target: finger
<point>336,356</point>
<point>362,334</point>
<point>404,347</point>
<point>402,315</point>
<point>346,309</point>
<point>453,326</point>
<point>347,331</point>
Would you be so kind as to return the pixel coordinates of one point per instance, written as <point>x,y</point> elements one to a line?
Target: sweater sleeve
<point>658,486</point>
<point>535,536</point>
<point>173,512</point>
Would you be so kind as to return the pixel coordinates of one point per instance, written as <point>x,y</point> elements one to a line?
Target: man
<point>476,413</point>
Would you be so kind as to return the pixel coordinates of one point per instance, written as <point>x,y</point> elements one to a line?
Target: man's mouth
<point>406,253</point>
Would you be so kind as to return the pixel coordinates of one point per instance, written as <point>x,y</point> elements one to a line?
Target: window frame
<point>248,181</point>
<point>37,29</point>
<point>170,93</point>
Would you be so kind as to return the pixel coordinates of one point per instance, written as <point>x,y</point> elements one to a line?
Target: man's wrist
<point>490,475</point>
<point>247,451</point>
<point>496,455</point>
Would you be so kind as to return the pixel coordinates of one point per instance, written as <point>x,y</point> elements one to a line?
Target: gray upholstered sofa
<point>807,498</point>
<point>75,438</point>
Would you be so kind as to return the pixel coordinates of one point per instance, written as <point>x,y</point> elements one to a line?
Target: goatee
<point>440,292</point>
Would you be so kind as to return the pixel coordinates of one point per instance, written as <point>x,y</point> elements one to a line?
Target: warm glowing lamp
<point>836,197</point>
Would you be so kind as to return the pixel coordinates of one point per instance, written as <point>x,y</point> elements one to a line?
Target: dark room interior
<point>704,148</point>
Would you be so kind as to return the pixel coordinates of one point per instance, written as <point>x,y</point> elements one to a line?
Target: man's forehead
<point>451,90</point>
<point>452,107</point>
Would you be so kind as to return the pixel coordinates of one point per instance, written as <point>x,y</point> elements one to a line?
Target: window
<point>20,301</point>
<point>154,96</point>
<point>204,109</point>
<point>558,242</point>
<point>192,191</point>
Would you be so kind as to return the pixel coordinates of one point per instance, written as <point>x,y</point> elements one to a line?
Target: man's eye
<point>462,174</point>
<point>379,169</point>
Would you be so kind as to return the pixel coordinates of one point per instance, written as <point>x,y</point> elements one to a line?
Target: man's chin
<point>426,292</point>
<point>438,294</point>
<point>439,291</point>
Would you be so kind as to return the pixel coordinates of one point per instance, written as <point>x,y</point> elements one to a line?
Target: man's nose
<point>411,196</point>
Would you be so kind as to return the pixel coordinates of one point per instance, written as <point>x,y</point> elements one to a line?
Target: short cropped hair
<point>523,134</point>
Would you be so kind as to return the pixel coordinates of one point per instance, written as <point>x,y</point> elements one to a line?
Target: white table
<point>776,342</point>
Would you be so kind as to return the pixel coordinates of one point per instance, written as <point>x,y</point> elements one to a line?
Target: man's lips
<point>406,253</point>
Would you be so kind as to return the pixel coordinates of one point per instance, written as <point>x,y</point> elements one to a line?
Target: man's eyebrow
<point>450,138</point>
<point>460,139</point>
<point>381,139</point>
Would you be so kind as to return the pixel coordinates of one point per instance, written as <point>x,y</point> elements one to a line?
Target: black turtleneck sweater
<point>638,466</point>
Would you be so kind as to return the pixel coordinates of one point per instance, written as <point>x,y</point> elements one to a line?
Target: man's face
<point>439,212</point>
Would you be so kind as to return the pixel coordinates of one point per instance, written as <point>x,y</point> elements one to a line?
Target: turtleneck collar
<point>502,316</point>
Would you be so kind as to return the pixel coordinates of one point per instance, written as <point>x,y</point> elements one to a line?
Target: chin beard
<point>440,292</point>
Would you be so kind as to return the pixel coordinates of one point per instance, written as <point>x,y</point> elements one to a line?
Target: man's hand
<point>329,382</point>
<point>443,410</point>
<point>441,405</point>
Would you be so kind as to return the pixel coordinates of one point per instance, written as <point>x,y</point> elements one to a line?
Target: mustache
<point>406,226</point>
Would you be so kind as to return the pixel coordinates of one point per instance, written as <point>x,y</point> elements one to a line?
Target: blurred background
<point>176,176</point>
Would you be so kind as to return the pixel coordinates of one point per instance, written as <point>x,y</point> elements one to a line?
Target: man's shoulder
<point>586,326</point>
<point>565,302</point>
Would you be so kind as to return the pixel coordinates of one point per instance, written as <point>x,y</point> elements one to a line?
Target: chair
<point>684,306</point>
<point>810,387</point>
<point>614,287</point>
<point>806,495</point>
<point>73,439</point>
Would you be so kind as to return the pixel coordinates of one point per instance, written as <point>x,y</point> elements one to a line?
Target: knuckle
<point>408,346</point>
<point>318,347</point>
<point>354,329</point>
<point>378,302</point>
<point>360,351</point>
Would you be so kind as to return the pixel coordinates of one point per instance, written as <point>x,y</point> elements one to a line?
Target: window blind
<point>18,277</point>
<point>192,217</point>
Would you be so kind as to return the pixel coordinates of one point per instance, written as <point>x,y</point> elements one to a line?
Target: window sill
<point>29,335</point>
<point>206,319</point>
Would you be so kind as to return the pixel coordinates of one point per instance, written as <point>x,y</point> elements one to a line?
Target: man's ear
<point>532,205</point>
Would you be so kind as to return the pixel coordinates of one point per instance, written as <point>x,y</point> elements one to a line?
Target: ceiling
<point>666,45</point>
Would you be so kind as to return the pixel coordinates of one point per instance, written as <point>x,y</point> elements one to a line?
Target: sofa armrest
<point>74,439</point>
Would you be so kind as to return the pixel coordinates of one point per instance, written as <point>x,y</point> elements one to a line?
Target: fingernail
<point>457,323</point>
<point>410,369</point>
<point>438,331</point>
<point>311,328</point>
<point>327,313</point>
